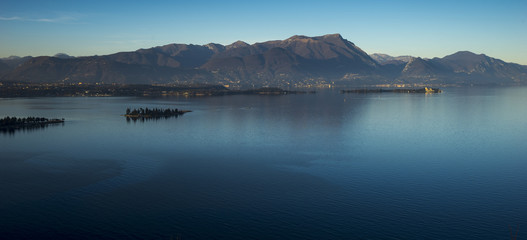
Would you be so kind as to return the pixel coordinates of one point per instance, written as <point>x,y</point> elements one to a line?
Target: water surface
<point>313,166</point>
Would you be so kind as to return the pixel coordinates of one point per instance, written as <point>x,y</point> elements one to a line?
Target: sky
<point>418,28</point>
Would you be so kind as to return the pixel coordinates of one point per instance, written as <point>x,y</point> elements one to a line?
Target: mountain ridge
<point>298,61</point>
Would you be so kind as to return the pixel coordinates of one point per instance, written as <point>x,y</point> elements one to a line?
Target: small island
<point>14,123</point>
<point>395,90</point>
<point>156,113</point>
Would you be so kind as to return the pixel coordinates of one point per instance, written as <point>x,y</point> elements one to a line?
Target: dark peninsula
<point>8,124</point>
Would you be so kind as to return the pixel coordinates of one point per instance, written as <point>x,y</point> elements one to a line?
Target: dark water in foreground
<point>316,166</point>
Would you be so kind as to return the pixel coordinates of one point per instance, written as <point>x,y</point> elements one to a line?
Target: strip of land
<point>395,90</point>
<point>9,90</point>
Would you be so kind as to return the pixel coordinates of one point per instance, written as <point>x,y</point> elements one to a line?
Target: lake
<point>306,166</point>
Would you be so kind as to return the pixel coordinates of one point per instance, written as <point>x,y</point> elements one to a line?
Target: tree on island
<point>153,113</point>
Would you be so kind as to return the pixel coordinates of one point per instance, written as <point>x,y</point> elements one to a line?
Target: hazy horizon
<point>414,28</point>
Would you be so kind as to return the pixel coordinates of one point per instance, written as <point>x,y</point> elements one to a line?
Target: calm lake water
<point>314,166</point>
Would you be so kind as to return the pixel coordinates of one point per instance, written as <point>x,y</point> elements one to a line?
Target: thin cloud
<point>55,20</point>
<point>10,18</point>
<point>63,19</point>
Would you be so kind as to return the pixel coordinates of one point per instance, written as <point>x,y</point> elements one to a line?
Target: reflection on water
<point>317,166</point>
<point>28,129</point>
<point>143,119</point>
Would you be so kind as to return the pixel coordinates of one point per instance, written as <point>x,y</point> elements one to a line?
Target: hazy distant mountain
<point>63,56</point>
<point>172,55</point>
<point>10,63</point>
<point>4,68</point>
<point>99,70</point>
<point>14,61</point>
<point>296,61</point>
<point>471,64</point>
<point>387,59</point>
<point>464,68</point>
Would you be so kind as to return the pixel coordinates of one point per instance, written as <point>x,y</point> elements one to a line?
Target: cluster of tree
<point>14,122</point>
<point>153,113</point>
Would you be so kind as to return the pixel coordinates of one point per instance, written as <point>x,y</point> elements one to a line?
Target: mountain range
<point>298,61</point>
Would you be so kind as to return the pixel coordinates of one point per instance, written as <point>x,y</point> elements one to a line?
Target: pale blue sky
<point>419,28</point>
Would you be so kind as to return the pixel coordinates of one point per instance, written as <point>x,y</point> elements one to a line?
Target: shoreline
<point>425,90</point>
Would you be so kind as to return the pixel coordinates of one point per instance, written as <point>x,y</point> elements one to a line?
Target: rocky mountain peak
<point>332,36</point>
<point>214,47</point>
<point>237,44</point>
